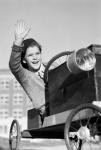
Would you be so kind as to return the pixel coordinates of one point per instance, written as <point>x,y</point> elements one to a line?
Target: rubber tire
<point>18,135</point>
<point>69,120</point>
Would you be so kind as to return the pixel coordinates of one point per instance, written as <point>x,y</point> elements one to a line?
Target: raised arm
<point>20,33</point>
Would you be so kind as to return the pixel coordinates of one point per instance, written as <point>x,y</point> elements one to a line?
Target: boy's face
<point>33,58</point>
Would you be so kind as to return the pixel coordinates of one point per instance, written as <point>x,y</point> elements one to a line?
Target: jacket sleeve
<point>15,63</point>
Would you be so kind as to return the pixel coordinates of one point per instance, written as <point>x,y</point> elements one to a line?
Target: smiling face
<point>33,58</point>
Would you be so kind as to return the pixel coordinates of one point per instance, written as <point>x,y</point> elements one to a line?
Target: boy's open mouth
<point>35,62</point>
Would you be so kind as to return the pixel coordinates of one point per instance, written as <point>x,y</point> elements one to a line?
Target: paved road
<point>48,144</point>
<point>61,147</point>
<point>43,144</point>
<point>57,145</point>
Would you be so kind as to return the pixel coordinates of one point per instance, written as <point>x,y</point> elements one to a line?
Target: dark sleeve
<point>15,63</point>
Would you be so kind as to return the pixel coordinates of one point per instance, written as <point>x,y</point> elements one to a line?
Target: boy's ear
<point>24,61</point>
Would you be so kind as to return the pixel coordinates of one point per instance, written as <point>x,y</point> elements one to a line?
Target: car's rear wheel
<point>83,126</point>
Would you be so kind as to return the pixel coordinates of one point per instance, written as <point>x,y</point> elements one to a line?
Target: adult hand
<point>21,31</point>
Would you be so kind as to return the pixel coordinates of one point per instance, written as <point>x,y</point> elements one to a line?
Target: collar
<point>42,69</point>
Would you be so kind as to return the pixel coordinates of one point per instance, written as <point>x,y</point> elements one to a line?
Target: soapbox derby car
<point>73,99</point>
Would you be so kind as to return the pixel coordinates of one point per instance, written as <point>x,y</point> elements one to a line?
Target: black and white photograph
<point>50,75</point>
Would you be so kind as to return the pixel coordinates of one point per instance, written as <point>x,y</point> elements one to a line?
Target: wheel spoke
<point>80,119</point>
<point>86,121</point>
<point>98,119</point>
<point>73,128</point>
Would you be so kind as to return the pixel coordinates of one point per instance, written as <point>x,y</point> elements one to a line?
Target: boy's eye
<point>30,55</point>
<point>37,53</point>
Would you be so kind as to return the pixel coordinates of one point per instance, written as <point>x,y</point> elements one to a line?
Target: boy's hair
<point>29,43</point>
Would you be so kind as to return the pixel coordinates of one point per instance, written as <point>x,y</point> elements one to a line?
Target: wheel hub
<point>83,133</point>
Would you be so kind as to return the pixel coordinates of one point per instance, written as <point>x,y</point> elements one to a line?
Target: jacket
<point>31,82</point>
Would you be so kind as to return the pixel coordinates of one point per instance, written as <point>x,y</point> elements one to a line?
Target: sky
<point>58,25</point>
